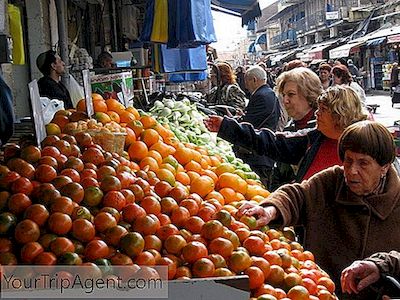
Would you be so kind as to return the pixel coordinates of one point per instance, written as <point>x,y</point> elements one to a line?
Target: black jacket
<point>54,90</point>
<point>6,112</point>
<point>261,112</point>
<point>289,147</point>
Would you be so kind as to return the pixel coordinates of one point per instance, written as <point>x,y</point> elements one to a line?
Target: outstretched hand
<point>213,123</point>
<point>264,215</point>
<point>358,276</point>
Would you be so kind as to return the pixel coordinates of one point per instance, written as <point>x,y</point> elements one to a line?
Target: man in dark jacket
<point>263,111</point>
<point>50,85</point>
<point>6,113</point>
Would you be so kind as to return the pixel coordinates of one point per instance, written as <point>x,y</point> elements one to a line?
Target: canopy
<point>261,39</point>
<point>316,52</point>
<point>376,42</point>
<point>344,50</point>
<point>247,9</point>
<point>252,48</point>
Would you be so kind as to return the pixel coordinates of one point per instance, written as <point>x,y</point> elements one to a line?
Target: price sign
<point>88,92</point>
<point>125,92</point>
<point>38,121</point>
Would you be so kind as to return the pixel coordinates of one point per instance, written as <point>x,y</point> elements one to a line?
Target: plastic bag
<point>75,90</point>
<point>50,107</point>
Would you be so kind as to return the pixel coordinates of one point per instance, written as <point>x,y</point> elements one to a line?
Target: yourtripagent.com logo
<point>86,281</point>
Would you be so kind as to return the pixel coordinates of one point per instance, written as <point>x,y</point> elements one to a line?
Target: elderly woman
<point>338,108</point>
<point>342,76</point>
<point>298,90</point>
<point>347,211</point>
<point>226,91</point>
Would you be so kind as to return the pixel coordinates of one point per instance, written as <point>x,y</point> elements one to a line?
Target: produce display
<point>186,122</point>
<point>160,202</point>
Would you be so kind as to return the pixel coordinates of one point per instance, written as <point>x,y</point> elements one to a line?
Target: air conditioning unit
<point>344,11</point>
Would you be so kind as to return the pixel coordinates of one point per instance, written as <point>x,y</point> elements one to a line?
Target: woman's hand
<point>213,123</point>
<point>264,215</point>
<point>358,276</point>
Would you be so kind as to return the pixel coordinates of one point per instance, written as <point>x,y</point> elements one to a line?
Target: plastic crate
<point>109,141</point>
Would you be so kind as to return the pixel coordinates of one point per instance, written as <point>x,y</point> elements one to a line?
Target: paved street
<point>385,113</point>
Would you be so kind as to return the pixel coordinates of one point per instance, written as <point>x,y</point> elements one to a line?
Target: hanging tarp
<point>169,60</point>
<point>252,48</point>
<point>179,23</point>
<point>248,9</point>
<point>261,39</point>
<point>18,52</point>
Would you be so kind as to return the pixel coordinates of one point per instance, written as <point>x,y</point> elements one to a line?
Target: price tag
<point>88,93</point>
<point>38,121</point>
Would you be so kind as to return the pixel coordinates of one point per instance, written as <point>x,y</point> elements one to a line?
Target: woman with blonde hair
<point>314,149</point>
<point>226,91</point>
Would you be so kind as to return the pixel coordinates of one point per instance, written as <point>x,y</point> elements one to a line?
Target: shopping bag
<point>75,91</point>
<point>50,107</point>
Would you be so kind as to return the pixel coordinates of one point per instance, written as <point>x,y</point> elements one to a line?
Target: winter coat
<point>228,94</point>
<point>341,227</point>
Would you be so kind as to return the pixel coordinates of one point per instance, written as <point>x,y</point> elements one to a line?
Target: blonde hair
<point>344,104</point>
<point>308,84</point>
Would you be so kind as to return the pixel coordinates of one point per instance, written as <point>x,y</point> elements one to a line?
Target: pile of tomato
<point>161,202</point>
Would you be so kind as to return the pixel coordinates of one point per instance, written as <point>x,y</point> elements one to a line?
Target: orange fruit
<point>130,136</point>
<point>166,175</point>
<point>203,267</point>
<point>183,178</point>
<point>133,111</point>
<point>194,251</point>
<point>164,149</point>
<point>239,261</point>
<point>136,126</point>
<point>256,277</point>
<point>99,106</point>
<point>149,162</point>
<point>148,122</point>
<point>229,195</point>
<point>115,105</point>
<point>126,117</point>
<point>150,137</point>
<point>96,96</point>
<point>102,117</point>
<point>233,181</point>
<point>113,116</point>
<point>202,185</point>
<point>298,293</point>
<point>138,150</point>
<point>183,155</point>
<point>81,106</point>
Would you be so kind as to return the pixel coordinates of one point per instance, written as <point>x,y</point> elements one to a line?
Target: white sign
<point>332,15</point>
<point>38,121</point>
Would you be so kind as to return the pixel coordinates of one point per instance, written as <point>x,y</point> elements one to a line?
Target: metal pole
<point>63,37</point>
<point>114,15</point>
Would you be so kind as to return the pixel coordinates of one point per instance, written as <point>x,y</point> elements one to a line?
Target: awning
<point>248,9</point>
<point>252,48</point>
<point>316,52</point>
<point>283,56</point>
<point>344,50</point>
<point>261,39</point>
<point>393,39</point>
<point>376,42</point>
<point>282,12</point>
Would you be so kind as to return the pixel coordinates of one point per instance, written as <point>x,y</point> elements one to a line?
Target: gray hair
<point>257,72</point>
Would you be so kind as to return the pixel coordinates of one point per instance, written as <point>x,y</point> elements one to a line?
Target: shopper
<point>105,60</point>
<point>240,79</point>
<point>298,90</point>
<point>263,111</point>
<point>225,90</point>
<point>324,72</point>
<point>361,274</point>
<point>6,113</point>
<point>349,212</point>
<point>50,85</point>
<point>341,75</point>
<point>314,150</point>
<point>353,69</point>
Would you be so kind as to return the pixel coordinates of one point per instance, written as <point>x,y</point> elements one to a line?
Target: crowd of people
<point>332,168</point>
